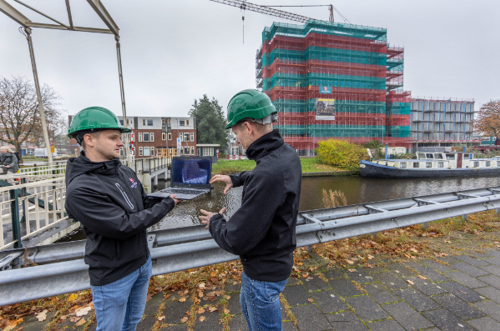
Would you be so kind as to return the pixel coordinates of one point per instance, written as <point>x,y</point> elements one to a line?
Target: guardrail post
<point>464,217</point>
<point>425,225</point>
<point>14,212</point>
<point>498,211</point>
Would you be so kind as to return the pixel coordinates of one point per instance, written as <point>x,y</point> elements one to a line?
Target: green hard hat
<point>248,104</point>
<point>94,118</point>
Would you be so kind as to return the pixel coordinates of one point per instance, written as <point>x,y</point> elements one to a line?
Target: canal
<point>356,190</point>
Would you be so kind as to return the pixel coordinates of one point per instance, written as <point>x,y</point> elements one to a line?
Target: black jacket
<point>9,159</point>
<point>109,201</point>
<point>262,230</point>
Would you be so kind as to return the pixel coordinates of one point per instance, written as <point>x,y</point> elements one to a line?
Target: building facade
<point>441,122</point>
<point>334,80</point>
<point>157,136</point>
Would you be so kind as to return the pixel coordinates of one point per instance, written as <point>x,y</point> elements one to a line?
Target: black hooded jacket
<point>262,230</point>
<point>109,201</point>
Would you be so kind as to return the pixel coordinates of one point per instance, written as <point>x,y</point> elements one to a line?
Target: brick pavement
<point>451,293</point>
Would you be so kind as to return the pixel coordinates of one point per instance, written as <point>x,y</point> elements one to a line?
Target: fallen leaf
<point>350,262</point>
<point>149,297</point>
<point>212,309</point>
<point>72,297</point>
<point>201,285</point>
<point>42,316</point>
<point>228,297</point>
<point>447,241</point>
<point>202,318</point>
<point>12,324</point>
<point>351,270</point>
<point>64,317</point>
<point>300,263</point>
<point>410,282</point>
<point>167,296</point>
<point>370,257</point>
<point>83,311</point>
<point>201,310</point>
<point>421,277</point>
<point>305,275</point>
<point>185,292</point>
<point>183,299</point>
<point>74,319</point>
<point>413,250</point>
<point>184,319</point>
<point>161,318</point>
<point>213,274</point>
<point>81,322</point>
<point>310,300</point>
<point>226,311</point>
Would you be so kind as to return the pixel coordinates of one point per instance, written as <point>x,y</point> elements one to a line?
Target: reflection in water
<point>356,190</point>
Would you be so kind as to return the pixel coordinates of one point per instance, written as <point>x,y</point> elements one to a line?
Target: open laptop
<point>190,177</point>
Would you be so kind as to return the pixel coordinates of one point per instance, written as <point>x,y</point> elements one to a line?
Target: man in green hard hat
<point>262,230</point>
<point>109,201</point>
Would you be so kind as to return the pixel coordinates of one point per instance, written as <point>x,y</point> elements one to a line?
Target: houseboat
<point>432,165</point>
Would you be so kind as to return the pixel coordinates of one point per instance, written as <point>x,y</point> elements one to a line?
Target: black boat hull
<point>370,169</point>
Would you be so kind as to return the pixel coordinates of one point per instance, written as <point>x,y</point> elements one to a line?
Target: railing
<point>57,169</point>
<point>31,208</point>
<point>148,165</point>
<point>180,249</point>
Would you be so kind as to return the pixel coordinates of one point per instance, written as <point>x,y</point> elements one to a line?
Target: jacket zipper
<point>125,196</point>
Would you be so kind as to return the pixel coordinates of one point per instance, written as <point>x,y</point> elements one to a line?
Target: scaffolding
<point>353,65</point>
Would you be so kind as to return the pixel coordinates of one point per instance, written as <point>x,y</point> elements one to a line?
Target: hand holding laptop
<point>222,178</point>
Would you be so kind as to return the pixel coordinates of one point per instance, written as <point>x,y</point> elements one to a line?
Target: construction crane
<point>269,10</point>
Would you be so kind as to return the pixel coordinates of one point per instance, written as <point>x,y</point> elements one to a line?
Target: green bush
<point>374,144</point>
<point>341,154</point>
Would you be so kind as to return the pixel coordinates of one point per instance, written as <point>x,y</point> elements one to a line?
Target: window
<point>168,122</point>
<point>186,150</point>
<point>498,163</point>
<point>152,151</point>
<point>140,151</point>
<point>476,164</point>
<point>428,164</point>
<point>170,136</point>
<point>144,122</point>
<point>192,150</point>
<point>187,122</point>
<point>163,122</point>
<point>402,165</point>
<point>416,165</point>
<point>192,136</point>
<point>140,136</point>
<point>121,122</point>
<point>208,151</point>
<point>429,156</point>
<point>145,137</point>
<point>146,151</point>
<point>450,156</point>
<point>163,136</point>
<point>488,163</point>
<point>152,136</point>
<point>150,122</point>
<point>440,164</point>
<point>186,136</point>
<point>182,123</point>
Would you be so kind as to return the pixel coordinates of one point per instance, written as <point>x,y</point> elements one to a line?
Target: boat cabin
<point>441,160</point>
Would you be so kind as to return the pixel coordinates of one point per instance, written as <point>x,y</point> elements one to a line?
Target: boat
<point>432,165</point>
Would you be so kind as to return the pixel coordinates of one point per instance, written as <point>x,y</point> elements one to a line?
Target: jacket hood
<point>82,165</point>
<point>265,144</point>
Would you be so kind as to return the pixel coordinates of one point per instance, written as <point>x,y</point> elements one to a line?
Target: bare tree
<point>19,115</point>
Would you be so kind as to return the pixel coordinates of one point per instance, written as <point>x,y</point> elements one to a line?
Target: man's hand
<point>177,201</point>
<point>208,215</point>
<point>222,178</point>
<point>7,167</point>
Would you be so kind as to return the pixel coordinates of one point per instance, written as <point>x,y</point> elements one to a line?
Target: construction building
<point>334,80</point>
<point>438,123</point>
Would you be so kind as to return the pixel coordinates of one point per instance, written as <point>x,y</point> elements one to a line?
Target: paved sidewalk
<point>455,293</point>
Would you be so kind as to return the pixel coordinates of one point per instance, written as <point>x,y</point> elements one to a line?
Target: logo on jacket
<point>134,184</point>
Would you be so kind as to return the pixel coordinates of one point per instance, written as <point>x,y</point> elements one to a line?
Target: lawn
<point>228,167</point>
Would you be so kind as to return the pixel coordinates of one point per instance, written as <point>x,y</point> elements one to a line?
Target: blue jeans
<point>260,303</point>
<point>120,305</point>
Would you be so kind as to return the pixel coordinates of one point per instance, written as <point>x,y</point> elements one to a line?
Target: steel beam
<point>13,13</point>
<point>104,15</point>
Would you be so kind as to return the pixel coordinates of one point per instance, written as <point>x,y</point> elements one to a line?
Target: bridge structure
<point>36,272</point>
<point>32,201</point>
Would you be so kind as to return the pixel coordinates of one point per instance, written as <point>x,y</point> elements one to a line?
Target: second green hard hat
<point>95,118</point>
<point>248,104</point>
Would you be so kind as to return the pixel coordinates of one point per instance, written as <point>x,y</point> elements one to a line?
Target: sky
<point>174,52</point>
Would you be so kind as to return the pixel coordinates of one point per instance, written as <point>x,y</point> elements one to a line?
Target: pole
<point>39,96</point>
<point>386,148</point>
<point>122,94</point>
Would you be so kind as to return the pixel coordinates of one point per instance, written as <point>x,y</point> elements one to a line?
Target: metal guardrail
<point>148,165</point>
<point>31,208</point>
<point>180,249</point>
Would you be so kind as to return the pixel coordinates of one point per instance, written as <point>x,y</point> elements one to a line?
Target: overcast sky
<point>175,51</point>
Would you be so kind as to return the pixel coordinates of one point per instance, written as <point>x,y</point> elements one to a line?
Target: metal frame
<point>185,248</point>
<point>27,25</point>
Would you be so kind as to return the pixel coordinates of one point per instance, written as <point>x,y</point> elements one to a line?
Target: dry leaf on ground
<point>183,299</point>
<point>421,277</point>
<point>202,318</point>
<point>201,310</point>
<point>83,311</point>
<point>42,316</point>
<point>410,282</point>
<point>184,319</point>
<point>161,318</point>
<point>80,322</point>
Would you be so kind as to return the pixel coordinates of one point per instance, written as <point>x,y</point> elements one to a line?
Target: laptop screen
<point>191,170</point>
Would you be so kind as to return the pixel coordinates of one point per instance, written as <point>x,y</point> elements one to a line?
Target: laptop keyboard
<point>183,191</point>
